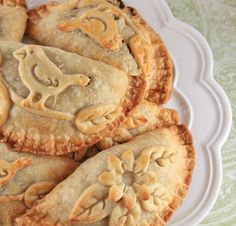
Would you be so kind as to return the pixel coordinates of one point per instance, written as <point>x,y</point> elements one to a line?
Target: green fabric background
<point>216,20</point>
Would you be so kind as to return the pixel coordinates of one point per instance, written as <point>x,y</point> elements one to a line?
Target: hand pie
<point>55,102</point>
<point>141,182</point>
<point>13,19</point>
<point>144,117</point>
<point>99,30</point>
<point>25,178</point>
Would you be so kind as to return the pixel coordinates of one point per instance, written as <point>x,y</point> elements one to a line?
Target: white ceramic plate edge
<point>225,114</point>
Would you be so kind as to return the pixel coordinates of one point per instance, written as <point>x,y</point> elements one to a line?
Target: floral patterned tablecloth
<point>216,20</point>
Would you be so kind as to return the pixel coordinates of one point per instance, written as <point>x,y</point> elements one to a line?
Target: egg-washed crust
<point>13,3</point>
<point>38,215</point>
<point>23,139</point>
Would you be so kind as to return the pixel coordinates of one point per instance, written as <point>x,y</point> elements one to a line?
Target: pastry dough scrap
<point>55,102</point>
<point>141,182</point>
<point>26,178</point>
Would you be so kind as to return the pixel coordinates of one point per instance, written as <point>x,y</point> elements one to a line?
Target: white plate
<point>202,104</point>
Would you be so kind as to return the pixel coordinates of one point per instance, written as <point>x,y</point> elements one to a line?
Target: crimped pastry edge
<point>162,90</point>
<point>186,138</point>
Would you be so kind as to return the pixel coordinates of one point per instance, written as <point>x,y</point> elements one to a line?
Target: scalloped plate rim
<point>207,80</point>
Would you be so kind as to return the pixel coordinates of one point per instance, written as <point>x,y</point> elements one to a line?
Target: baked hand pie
<point>141,182</point>
<point>26,178</point>
<point>107,32</point>
<point>55,102</point>
<point>13,19</point>
<point>144,117</point>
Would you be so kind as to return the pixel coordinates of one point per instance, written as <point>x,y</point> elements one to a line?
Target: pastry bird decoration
<point>43,79</point>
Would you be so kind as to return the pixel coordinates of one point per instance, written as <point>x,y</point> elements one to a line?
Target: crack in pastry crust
<point>40,78</point>
<point>138,183</point>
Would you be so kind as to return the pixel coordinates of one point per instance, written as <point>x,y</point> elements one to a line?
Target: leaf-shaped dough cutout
<point>135,121</point>
<point>162,155</point>
<point>37,191</point>
<point>158,201</point>
<point>94,119</point>
<point>121,216</point>
<point>92,205</point>
<point>9,169</point>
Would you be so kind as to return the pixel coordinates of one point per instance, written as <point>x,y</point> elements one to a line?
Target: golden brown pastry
<point>141,183</point>
<point>13,19</point>
<point>26,178</point>
<point>99,30</point>
<point>144,117</point>
<point>55,102</point>
<point>161,80</point>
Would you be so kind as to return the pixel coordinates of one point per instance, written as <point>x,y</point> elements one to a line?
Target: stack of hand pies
<point>85,139</point>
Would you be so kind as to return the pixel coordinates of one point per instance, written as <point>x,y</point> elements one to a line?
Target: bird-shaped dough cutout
<point>43,79</point>
<point>57,102</point>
